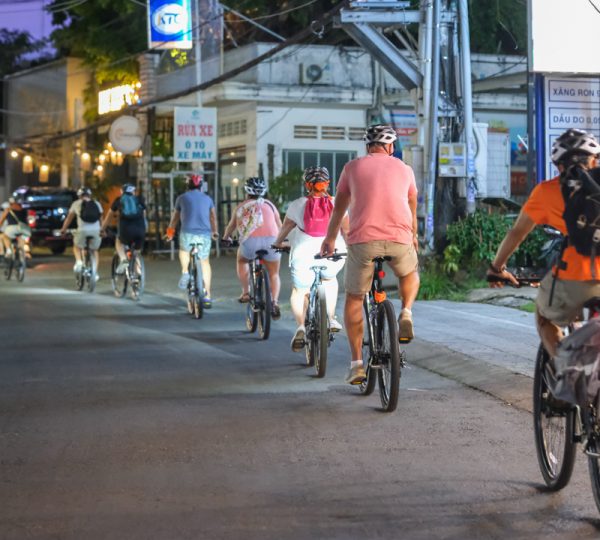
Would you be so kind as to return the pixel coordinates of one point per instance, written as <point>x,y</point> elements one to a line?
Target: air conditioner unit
<point>313,73</point>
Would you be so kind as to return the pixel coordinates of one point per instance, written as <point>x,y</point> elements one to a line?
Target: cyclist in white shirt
<point>88,213</point>
<point>305,225</point>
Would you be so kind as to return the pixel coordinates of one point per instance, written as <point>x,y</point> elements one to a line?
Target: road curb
<point>512,388</point>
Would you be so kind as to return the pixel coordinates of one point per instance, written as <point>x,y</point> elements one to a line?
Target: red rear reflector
<point>381,274</point>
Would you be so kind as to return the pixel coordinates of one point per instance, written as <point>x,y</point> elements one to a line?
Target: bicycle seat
<point>381,259</point>
<point>322,268</point>
<point>89,237</point>
<point>261,253</point>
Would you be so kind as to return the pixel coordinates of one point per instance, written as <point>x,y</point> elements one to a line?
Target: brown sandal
<point>244,298</point>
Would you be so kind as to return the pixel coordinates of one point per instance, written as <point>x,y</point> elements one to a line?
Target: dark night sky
<point>25,15</point>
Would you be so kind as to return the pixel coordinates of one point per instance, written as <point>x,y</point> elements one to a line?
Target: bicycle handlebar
<point>334,257</point>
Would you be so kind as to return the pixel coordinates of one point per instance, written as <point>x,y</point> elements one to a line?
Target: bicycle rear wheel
<point>388,355</point>
<point>138,276</point>
<point>263,289</point>
<point>593,451</point>
<point>321,333</point>
<point>553,428</point>
<point>89,272</point>
<point>368,385</point>
<point>79,279</point>
<point>20,264</point>
<point>118,281</point>
<point>9,263</point>
<point>194,293</point>
<point>309,332</point>
<point>251,314</point>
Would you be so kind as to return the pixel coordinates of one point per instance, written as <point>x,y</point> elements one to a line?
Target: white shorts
<point>302,259</point>
<point>13,230</point>
<point>79,239</point>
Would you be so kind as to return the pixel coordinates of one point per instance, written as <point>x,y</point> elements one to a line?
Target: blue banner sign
<point>169,24</point>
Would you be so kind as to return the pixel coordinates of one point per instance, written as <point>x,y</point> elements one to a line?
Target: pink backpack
<point>317,213</point>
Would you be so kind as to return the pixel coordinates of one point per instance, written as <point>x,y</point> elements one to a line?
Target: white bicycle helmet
<point>574,142</point>
<point>380,133</point>
<point>255,186</point>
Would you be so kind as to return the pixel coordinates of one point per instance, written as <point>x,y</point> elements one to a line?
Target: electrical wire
<point>594,6</point>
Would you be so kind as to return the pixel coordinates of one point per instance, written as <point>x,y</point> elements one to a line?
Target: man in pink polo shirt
<point>380,194</point>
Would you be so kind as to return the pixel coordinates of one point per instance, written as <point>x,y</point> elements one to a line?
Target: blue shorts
<point>203,240</point>
<point>250,246</point>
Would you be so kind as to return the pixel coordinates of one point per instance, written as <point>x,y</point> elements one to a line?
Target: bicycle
<point>17,260</point>
<point>86,274</point>
<point>258,309</point>
<point>380,343</point>
<point>558,425</point>
<point>318,336</point>
<point>195,286</point>
<point>134,274</point>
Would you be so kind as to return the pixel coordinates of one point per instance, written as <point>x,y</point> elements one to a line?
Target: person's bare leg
<point>273,269</point>
<point>550,334</point>
<point>243,272</point>
<point>184,260</point>
<point>353,319</point>
<point>120,250</point>
<point>206,275</point>
<point>409,289</point>
<point>299,303</point>
<point>77,254</point>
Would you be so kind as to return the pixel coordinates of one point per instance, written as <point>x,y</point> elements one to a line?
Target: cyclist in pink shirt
<point>380,195</point>
<point>257,223</point>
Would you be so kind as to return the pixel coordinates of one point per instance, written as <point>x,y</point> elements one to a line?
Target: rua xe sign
<point>195,134</point>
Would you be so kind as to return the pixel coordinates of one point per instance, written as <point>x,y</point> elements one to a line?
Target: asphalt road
<point>132,421</point>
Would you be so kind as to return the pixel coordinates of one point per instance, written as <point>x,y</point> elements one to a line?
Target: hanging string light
<point>27,164</point>
<point>44,172</point>
<point>86,161</point>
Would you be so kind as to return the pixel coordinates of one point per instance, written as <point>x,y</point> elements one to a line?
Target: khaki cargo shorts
<point>360,265</point>
<point>79,239</point>
<point>567,301</point>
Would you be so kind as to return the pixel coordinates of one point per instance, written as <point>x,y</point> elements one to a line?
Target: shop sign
<point>170,24</point>
<point>195,134</point>
<point>114,99</point>
<point>569,103</point>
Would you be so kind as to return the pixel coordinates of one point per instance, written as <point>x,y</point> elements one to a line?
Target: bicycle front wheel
<point>553,427</point>
<point>388,356</point>
<point>321,333</point>
<point>138,276</point>
<point>368,385</point>
<point>118,281</point>
<point>20,264</point>
<point>263,290</point>
<point>593,452</point>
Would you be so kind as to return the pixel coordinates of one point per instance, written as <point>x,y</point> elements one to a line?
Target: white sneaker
<point>121,268</point>
<point>297,343</point>
<point>97,277</point>
<point>335,325</point>
<point>183,281</point>
<point>78,266</point>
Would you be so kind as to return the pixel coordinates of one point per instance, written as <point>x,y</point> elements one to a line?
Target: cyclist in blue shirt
<point>198,217</point>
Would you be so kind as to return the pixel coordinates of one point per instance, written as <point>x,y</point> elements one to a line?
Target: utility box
<point>452,160</point>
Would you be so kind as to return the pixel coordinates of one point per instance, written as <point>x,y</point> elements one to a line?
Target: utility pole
<point>369,22</point>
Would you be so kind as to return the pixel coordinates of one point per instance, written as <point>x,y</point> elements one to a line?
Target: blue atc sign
<point>169,24</point>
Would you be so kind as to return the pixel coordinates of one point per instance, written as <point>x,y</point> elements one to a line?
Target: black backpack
<point>90,213</point>
<point>581,193</point>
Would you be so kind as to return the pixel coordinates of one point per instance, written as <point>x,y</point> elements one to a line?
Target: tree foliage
<point>498,26</point>
<point>16,48</point>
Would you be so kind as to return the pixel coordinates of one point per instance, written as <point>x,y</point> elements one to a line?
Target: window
<point>300,159</point>
<point>333,133</point>
<point>305,132</point>
<point>233,128</point>
<point>356,133</point>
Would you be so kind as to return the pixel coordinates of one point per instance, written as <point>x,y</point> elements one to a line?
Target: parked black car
<point>47,208</point>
